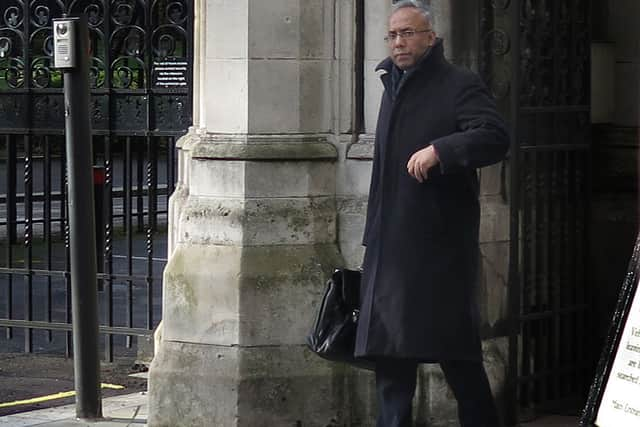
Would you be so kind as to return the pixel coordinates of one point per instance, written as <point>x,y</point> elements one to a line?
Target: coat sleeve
<point>481,139</point>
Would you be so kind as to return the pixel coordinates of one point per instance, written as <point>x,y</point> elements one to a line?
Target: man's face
<point>405,52</point>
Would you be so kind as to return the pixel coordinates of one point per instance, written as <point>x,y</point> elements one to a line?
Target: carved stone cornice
<point>362,149</point>
<point>264,147</point>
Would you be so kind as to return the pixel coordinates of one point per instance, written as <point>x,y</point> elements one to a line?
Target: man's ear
<point>433,37</point>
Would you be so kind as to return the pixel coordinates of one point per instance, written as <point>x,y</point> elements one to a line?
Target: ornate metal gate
<point>536,59</point>
<point>141,59</point>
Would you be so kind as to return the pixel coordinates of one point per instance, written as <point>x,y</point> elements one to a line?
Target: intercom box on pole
<point>64,39</point>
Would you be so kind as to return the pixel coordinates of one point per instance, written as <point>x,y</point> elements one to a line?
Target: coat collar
<point>435,55</point>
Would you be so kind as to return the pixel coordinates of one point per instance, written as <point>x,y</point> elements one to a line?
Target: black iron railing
<point>536,60</point>
<point>141,103</point>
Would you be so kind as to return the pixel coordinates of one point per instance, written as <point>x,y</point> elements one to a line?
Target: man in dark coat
<point>437,125</point>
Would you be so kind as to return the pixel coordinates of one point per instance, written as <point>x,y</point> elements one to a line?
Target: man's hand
<point>420,163</point>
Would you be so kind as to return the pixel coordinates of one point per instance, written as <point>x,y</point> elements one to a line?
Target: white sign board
<point>614,398</point>
<point>620,404</point>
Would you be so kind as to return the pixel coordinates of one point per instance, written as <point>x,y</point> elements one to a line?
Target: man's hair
<point>416,4</point>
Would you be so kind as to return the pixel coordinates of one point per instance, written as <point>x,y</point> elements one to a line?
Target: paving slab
<point>132,409</point>
<point>118,411</point>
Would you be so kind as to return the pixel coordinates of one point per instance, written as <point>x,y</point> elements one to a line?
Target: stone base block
<point>247,296</point>
<point>208,385</point>
<point>361,392</point>
<point>205,385</point>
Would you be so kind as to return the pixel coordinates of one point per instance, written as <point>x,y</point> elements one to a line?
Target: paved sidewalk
<point>118,411</point>
<point>131,410</point>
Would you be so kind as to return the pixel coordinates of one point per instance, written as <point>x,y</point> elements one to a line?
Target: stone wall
<point>253,225</point>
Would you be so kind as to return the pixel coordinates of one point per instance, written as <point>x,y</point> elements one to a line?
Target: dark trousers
<point>396,384</point>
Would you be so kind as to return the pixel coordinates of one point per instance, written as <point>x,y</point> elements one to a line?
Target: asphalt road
<point>128,297</point>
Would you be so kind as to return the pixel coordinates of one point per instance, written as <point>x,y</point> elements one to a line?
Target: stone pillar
<point>253,223</point>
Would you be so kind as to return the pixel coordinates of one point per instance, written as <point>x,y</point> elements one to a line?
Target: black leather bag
<point>334,333</point>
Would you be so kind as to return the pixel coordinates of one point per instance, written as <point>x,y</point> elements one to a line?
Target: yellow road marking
<point>112,386</point>
<point>55,396</point>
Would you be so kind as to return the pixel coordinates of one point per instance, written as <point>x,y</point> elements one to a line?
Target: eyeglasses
<point>405,35</point>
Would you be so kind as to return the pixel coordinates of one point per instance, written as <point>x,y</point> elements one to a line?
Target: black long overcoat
<point>420,265</point>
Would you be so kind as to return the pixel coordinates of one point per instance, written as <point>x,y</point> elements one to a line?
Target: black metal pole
<point>84,296</point>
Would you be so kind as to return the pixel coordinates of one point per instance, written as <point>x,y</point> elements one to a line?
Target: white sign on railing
<point>170,73</point>
<point>620,405</point>
<point>614,399</point>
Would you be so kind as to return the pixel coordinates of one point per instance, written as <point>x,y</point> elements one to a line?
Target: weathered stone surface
<point>263,221</point>
<point>201,304</point>
<point>363,149</point>
<point>264,295</point>
<point>193,385</point>
<point>344,99</point>
<point>276,25</point>
<point>230,40</point>
<point>244,387</point>
<point>494,282</point>
<point>376,13</point>
<point>263,151</point>
<point>373,94</point>
<point>352,188</point>
<point>275,87</point>
<point>351,219</point>
<point>218,178</point>
<point>353,178</point>
<point>176,202</point>
<point>291,29</point>
<point>493,180</point>
<point>279,94</point>
<point>289,386</point>
<point>315,84</point>
<point>226,86</point>
<point>280,290</point>
<point>494,219</point>
<point>237,178</point>
<point>181,193</point>
<point>343,119</point>
<point>275,139</point>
